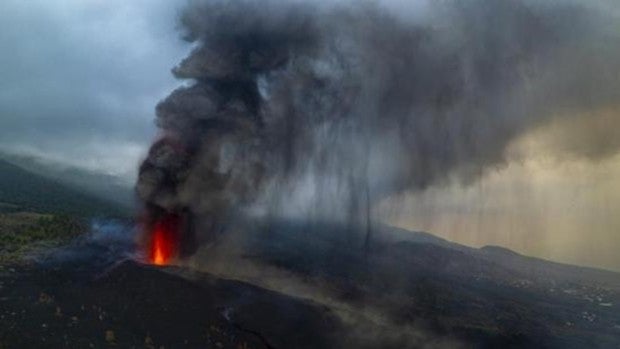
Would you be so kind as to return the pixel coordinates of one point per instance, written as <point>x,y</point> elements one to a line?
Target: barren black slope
<point>423,292</point>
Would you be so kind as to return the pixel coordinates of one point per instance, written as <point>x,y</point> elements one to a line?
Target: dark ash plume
<point>320,110</point>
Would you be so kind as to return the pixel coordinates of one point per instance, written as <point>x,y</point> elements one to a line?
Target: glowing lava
<point>164,240</point>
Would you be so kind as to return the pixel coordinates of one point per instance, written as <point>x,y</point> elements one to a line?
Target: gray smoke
<point>317,110</point>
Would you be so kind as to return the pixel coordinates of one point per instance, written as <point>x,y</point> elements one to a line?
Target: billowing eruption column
<point>318,111</point>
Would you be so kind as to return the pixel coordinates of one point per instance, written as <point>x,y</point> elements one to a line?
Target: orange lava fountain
<point>164,240</point>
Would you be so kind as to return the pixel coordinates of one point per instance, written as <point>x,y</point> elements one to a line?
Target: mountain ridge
<point>108,187</point>
<point>21,189</point>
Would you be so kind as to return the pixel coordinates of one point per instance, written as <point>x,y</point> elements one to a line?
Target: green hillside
<point>21,190</point>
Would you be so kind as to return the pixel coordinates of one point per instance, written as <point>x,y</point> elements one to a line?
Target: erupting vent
<point>165,238</point>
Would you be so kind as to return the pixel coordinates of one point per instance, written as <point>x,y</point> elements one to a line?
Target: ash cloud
<point>321,110</point>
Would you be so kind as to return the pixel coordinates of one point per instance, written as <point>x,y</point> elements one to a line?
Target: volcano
<point>410,290</point>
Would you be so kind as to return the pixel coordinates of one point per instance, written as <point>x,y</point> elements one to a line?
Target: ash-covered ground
<point>409,290</point>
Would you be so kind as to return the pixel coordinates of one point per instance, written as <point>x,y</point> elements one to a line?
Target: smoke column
<point>320,110</point>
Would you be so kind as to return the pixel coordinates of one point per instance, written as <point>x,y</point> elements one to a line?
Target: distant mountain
<point>21,189</point>
<point>107,187</point>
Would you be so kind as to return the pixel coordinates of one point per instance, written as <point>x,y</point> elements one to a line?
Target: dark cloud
<point>345,104</point>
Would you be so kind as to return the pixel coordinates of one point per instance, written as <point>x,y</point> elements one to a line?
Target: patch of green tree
<point>23,232</point>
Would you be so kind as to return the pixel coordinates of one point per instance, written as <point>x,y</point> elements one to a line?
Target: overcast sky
<point>80,79</point>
